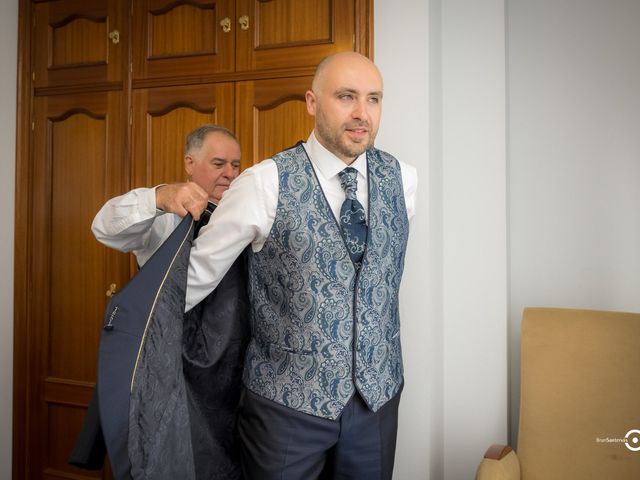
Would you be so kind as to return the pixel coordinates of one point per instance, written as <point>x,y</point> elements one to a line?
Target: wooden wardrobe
<point>107,91</point>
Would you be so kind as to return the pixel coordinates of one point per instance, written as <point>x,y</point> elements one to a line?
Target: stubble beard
<point>335,139</point>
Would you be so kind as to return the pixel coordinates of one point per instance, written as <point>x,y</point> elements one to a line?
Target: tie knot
<point>349,181</point>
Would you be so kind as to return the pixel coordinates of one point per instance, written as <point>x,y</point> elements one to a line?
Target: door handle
<point>112,290</point>
<point>114,35</point>
<point>225,23</point>
<point>244,22</point>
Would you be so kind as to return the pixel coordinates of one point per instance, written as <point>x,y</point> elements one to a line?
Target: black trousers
<point>281,443</point>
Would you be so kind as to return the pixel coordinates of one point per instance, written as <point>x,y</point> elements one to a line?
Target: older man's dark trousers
<point>281,443</point>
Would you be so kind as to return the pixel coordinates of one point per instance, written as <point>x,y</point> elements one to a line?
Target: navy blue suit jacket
<point>168,382</point>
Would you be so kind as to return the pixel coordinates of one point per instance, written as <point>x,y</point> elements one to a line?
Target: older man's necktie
<point>352,217</point>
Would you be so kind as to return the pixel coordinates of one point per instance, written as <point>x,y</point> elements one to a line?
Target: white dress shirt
<point>132,223</point>
<point>247,210</point>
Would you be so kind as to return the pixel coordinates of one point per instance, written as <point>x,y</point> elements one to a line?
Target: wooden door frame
<point>364,27</point>
<point>21,367</point>
<point>23,370</point>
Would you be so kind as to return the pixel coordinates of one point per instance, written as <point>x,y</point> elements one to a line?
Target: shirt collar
<point>328,164</point>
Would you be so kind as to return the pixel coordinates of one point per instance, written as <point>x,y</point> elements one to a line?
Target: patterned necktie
<point>352,218</point>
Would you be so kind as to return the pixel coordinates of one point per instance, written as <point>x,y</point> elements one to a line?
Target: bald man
<point>327,221</point>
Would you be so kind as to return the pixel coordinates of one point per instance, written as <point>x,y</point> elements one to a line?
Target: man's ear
<point>310,99</point>
<point>188,164</point>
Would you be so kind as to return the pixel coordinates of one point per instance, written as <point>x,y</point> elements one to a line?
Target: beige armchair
<point>579,399</point>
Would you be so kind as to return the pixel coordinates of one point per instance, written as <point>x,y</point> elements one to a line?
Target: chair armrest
<point>500,462</point>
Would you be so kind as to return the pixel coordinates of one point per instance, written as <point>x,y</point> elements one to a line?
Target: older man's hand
<point>182,198</point>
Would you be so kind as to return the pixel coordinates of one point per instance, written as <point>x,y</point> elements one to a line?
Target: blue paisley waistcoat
<point>319,329</point>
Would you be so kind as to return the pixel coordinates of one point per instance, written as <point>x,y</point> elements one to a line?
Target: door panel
<point>77,272</point>
<point>181,38</point>
<point>271,115</point>
<point>163,118</point>
<point>298,32</point>
<point>63,419</point>
<point>74,44</point>
<point>291,33</point>
<point>78,163</point>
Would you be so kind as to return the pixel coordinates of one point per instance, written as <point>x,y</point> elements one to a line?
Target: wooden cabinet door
<point>163,117</point>
<point>78,162</point>
<point>178,38</point>
<point>80,42</point>
<point>271,115</point>
<point>104,72</point>
<point>292,33</point>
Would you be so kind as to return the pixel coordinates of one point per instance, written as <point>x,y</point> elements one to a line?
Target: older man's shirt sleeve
<point>243,217</point>
<point>132,223</point>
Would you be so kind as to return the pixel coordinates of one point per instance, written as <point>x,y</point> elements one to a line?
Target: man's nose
<point>361,110</point>
<point>229,171</point>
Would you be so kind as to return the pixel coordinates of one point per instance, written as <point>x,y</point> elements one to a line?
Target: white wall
<point>474,231</point>
<point>443,63</point>
<point>8,47</point>
<point>404,132</point>
<point>558,83</point>
<point>574,153</point>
